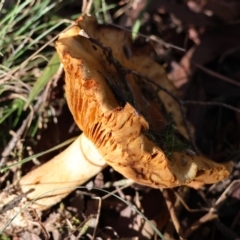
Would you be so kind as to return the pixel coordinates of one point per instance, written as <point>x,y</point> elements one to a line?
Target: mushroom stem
<point>58,177</point>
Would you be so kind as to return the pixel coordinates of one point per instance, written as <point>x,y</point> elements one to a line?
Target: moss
<point>169,140</point>
<point>4,237</point>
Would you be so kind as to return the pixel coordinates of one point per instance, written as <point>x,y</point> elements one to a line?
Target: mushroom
<point>120,122</point>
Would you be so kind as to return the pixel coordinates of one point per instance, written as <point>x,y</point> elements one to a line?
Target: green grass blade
<point>28,46</point>
<point>3,169</point>
<point>5,114</point>
<point>138,23</point>
<point>47,74</point>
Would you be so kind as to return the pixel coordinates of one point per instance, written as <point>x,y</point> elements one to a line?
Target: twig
<point>38,220</point>
<point>217,75</point>
<point>172,212</point>
<point>206,218</point>
<point>97,216</point>
<point>188,102</point>
<point>223,196</point>
<point>212,212</point>
<point>86,6</point>
<point>13,203</point>
<point>186,206</point>
<point>153,38</point>
<point>12,143</point>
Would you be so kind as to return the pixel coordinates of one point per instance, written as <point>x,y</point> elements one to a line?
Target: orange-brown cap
<point>108,106</point>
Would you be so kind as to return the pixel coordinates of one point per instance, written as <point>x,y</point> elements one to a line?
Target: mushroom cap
<point>101,96</point>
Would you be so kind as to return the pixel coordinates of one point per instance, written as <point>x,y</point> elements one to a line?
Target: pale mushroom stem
<point>58,177</point>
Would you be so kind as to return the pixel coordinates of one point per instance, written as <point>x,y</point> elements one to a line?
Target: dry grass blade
<point>82,228</point>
